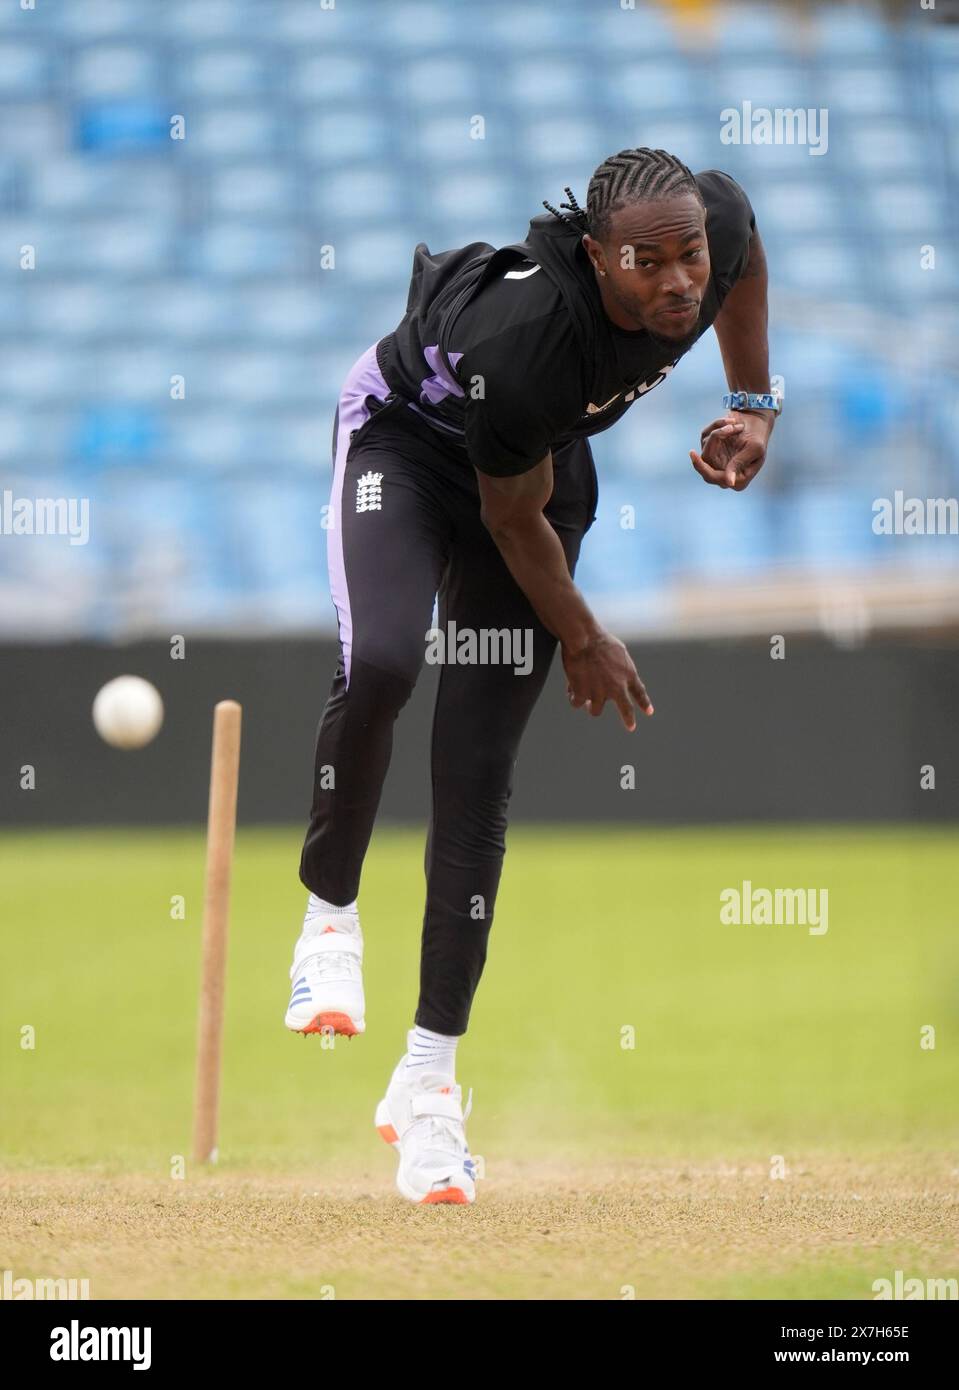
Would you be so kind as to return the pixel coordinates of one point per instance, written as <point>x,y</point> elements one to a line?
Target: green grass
<point>749,1040</point>
<point>605,1167</point>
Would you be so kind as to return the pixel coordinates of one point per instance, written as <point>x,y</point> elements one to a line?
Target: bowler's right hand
<point>603,670</point>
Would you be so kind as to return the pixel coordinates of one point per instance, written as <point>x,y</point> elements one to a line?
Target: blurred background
<point>306,127</point>
<point>182,171</point>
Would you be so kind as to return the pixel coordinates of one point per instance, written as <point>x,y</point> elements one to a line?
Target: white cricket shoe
<point>422,1116</point>
<point>327,974</point>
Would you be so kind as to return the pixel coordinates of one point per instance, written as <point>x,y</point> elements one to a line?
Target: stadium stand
<point>306,128</point>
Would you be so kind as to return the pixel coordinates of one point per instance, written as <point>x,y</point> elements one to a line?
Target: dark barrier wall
<point>825,734</point>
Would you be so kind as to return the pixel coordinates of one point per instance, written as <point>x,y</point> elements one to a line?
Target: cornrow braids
<point>629,176</point>
<point>579,220</point>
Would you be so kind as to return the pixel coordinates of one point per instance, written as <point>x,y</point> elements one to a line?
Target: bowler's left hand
<point>733,449</point>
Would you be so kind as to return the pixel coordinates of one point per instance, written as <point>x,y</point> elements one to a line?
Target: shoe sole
<point>330,1021</point>
<point>446,1196</point>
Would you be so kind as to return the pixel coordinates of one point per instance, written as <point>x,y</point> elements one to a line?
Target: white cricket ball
<point>128,712</point>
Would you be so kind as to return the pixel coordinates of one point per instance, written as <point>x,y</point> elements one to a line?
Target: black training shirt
<point>510,354</point>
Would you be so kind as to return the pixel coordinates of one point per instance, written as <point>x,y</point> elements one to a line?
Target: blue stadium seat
<point>800,206</point>
<point>441,80</point>
<point>560,140</point>
<point>26,69</point>
<point>74,184</point>
<point>286,313</point>
<point>262,190</point>
<point>304,24</point>
<point>830,521</point>
<point>650,86</point>
<point>125,375</point>
<point>864,90</point>
<point>883,147</point>
<point>610,550</point>
<point>244,131</point>
<point>119,246</point>
<point>101,20</point>
<point>39,131</point>
<point>905,275</point>
<point>247,249</point>
<point>419,25</point>
<point>941,44</point>
<point>819,267</point>
<point>763,84</point>
<point>9,181</point>
<point>342,136</point>
<point>946,91</point>
<point>465,195</point>
<point>911,206</point>
<point>38,373</point>
<point>365,195</point>
<point>186,22</point>
<point>74,309</point>
<point>115,71</point>
<point>185,309</point>
<point>331,76</point>
<point>553,82</point>
<point>216,73</point>
<point>535,29</point>
<point>299,442</point>
<point>755,31</point>
<point>376,257</point>
<point>33,437</point>
<point>846,31</point>
<point>247,378</point>
<point>642,31</point>
<point>111,432</point>
<point>209,439</point>
<point>123,127</point>
<point>713,538</point>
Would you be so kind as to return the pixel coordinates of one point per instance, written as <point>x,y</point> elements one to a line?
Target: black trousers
<point>410,523</point>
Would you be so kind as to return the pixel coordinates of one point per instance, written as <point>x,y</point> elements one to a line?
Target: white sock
<point>316,904</point>
<point>317,908</point>
<point>426,1051</point>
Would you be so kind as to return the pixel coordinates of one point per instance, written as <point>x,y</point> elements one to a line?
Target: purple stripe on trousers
<point>363,379</point>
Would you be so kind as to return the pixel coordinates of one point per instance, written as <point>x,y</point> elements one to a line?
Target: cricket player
<point>462,472</point>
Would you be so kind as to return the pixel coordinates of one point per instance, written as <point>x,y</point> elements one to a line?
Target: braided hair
<point>626,177</point>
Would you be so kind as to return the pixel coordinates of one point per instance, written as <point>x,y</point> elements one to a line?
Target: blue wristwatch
<point>747,400</point>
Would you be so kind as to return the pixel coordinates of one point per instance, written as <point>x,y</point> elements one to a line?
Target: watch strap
<point>749,400</point>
